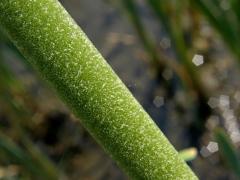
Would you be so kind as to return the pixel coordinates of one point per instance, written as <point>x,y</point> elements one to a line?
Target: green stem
<point>49,38</point>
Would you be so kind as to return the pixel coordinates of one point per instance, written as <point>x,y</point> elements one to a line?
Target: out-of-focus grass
<point>13,98</point>
<point>7,45</point>
<point>30,157</point>
<point>169,13</point>
<point>159,59</point>
<point>148,44</point>
<point>224,16</point>
<point>172,24</point>
<point>228,150</point>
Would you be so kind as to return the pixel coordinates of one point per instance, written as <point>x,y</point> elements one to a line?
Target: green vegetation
<point>45,34</point>
<point>228,151</point>
<point>48,37</point>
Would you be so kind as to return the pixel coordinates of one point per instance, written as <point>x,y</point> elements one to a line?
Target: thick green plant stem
<point>49,38</point>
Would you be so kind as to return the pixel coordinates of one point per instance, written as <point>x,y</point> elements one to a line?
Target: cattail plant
<point>54,44</point>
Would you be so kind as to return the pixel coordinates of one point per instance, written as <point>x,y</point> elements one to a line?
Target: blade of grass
<point>57,47</point>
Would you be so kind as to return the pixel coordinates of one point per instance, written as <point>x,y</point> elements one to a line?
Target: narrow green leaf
<point>49,38</point>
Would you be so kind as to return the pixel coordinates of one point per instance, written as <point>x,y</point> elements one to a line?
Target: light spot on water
<point>198,60</point>
<point>204,152</point>
<point>165,43</point>
<point>237,96</point>
<point>158,101</point>
<point>212,122</point>
<point>212,147</point>
<point>167,74</point>
<point>213,102</point>
<point>235,136</point>
<point>224,101</point>
<point>228,114</point>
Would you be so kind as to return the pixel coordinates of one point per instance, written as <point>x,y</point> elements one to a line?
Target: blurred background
<point>180,59</point>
